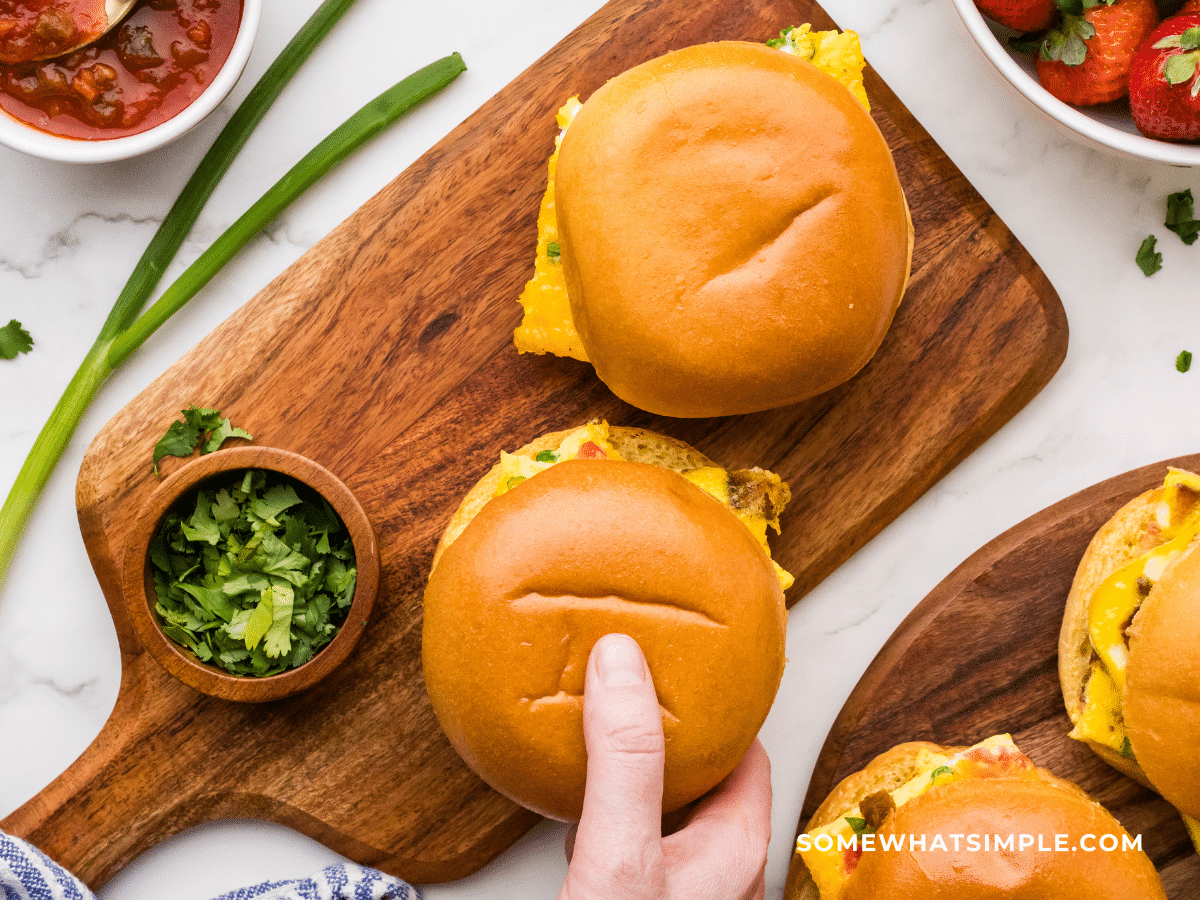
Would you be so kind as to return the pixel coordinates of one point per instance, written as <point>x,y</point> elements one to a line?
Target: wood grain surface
<point>385,355</point>
<point>979,656</point>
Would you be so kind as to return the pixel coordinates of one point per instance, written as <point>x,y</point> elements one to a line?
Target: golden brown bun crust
<point>887,771</point>
<point>515,604</point>
<point>733,231</point>
<point>1161,700</point>
<point>1003,806</point>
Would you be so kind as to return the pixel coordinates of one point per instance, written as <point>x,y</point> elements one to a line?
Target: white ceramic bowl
<point>1109,126</point>
<point>30,140</point>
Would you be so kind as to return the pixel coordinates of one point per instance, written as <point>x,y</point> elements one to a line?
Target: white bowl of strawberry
<point>1125,74</point>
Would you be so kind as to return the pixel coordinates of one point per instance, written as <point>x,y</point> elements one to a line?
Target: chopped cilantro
<point>547,456</point>
<point>183,437</point>
<point>859,825</point>
<point>778,42</point>
<point>553,250</point>
<point>513,481</point>
<point>940,770</point>
<point>1183,361</point>
<point>1147,259</point>
<point>254,576</point>
<point>13,340</point>
<point>1181,216</point>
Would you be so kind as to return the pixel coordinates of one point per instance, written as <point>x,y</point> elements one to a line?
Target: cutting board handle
<point>83,820</point>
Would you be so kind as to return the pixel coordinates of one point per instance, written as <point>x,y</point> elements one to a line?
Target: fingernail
<point>619,661</point>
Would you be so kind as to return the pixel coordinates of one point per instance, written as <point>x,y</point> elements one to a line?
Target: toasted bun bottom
<point>1162,690</point>
<point>1003,806</point>
<point>1161,700</point>
<point>733,231</point>
<point>634,445</point>
<point>580,550</point>
<point>1115,544</point>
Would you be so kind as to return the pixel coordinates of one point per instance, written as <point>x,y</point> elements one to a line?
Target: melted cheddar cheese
<point>592,442</point>
<point>1116,601</point>
<point>831,868</point>
<point>547,326</point>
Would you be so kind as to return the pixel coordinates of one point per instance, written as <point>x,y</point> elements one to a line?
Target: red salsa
<point>40,29</point>
<point>148,69</point>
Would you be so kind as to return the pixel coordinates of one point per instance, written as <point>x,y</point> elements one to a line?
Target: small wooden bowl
<point>140,595</point>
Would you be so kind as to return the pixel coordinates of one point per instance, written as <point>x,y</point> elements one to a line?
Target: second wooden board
<point>979,656</point>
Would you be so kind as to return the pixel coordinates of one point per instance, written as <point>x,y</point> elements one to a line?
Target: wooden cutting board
<point>385,355</point>
<point>979,656</point>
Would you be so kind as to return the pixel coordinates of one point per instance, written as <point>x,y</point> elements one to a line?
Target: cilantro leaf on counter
<point>1147,259</point>
<point>254,576</point>
<point>203,428</point>
<point>13,340</point>
<point>1181,216</point>
<point>1183,361</point>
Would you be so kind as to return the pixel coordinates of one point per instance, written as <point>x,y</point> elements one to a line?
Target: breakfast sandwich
<point>723,228</point>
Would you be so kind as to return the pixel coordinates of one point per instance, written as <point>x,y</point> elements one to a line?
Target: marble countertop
<point>70,235</point>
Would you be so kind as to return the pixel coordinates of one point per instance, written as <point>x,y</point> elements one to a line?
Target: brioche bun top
<point>580,550</point>
<point>1003,806</point>
<point>1034,801</point>
<point>733,232</point>
<point>1161,700</point>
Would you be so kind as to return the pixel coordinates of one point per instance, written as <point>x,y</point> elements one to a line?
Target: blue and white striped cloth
<point>26,873</point>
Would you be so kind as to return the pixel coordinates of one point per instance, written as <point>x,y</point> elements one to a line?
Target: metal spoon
<point>61,33</point>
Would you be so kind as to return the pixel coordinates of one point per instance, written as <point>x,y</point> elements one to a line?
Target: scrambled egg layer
<point>592,442</point>
<point>831,868</point>
<point>1116,601</point>
<point>547,326</point>
<point>833,52</point>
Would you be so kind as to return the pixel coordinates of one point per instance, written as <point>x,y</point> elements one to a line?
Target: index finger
<point>622,722</point>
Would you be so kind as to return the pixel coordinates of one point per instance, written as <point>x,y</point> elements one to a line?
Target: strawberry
<point>1086,60</point>
<point>1021,15</point>
<point>1164,81</point>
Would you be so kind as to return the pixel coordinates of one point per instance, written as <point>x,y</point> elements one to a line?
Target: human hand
<point>617,851</point>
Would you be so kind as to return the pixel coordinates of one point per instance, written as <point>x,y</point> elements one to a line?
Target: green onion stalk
<point>124,331</point>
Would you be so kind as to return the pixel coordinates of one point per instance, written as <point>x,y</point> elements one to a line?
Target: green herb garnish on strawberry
<point>1164,81</point>
<point>1086,59</point>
